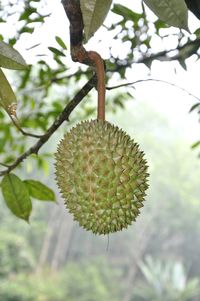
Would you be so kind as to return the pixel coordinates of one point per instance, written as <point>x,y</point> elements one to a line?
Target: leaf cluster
<point>18,194</point>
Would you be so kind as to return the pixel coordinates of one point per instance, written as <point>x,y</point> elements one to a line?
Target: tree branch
<point>55,125</point>
<point>16,124</point>
<point>153,80</point>
<point>162,55</point>
<point>73,12</point>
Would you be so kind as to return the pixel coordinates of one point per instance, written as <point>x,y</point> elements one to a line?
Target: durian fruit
<point>102,176</point>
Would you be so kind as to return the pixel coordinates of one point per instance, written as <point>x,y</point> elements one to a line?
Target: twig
<point>16,124</point>
<point>4,165</point>
<point>55,125</point>
<point>155,80</point>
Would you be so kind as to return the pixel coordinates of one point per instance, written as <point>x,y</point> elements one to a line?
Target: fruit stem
<point>92,58</point>
<point>101,89</point>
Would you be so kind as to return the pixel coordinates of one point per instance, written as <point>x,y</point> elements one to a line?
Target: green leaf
<point>194,107</point>
<point>194,145</point>
<point>197,32</point>
<point>40,191</point>
<point>125,12</point>
<point>26,29</point>
<point>11,58</point>
<point>7,97</point>
<point>182,63</point>
<point>94,13</point>
<point>56,51</point>
<point>60,42</point>
<point>173,12</point>
<point>27,13</point>
<point>16,196</point>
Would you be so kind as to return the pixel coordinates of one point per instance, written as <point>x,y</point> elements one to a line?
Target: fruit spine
<point>102,176</point>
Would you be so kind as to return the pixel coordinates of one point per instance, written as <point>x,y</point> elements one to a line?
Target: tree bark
<point>73,12</point>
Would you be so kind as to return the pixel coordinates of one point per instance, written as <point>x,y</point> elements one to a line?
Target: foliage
<point>18,193</point>
<point>30,288</point>
<point>165,281</point>
<point>15,255</point>
<point>97,281</point>
<point>174,12</point>
<point>76,281</point>
<point>94,13</point>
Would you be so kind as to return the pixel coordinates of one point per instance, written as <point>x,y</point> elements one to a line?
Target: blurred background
<point>155,259</point>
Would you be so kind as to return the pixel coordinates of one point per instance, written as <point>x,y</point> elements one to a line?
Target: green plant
<point>165,281</point>
<point>94,281</point>
<point>15,255</point>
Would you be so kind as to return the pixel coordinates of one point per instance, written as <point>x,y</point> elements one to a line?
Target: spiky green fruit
<point>102,176</point>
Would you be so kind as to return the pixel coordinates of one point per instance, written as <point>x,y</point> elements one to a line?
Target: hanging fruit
<point>100,171</point>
